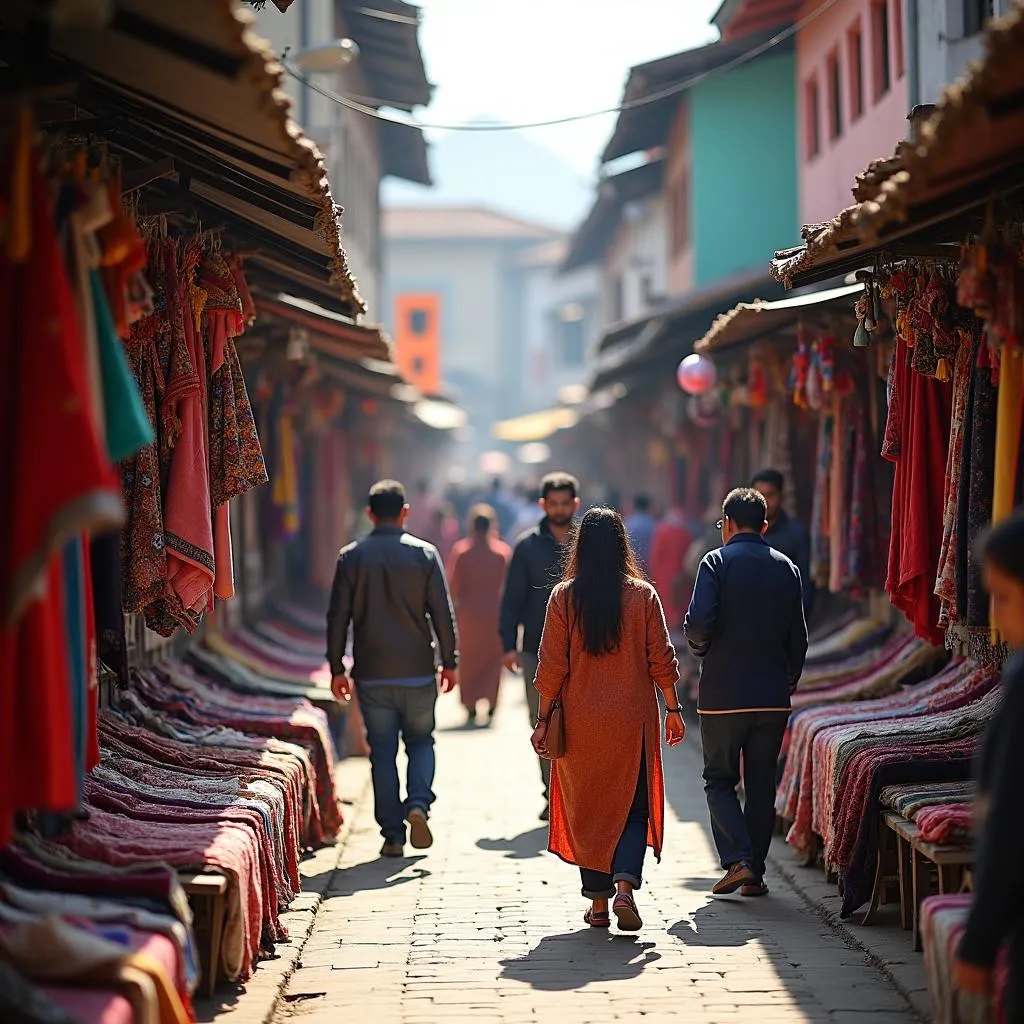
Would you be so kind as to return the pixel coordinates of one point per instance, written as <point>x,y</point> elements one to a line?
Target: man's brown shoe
<point>757,889</point>
<point>392,850</point>
<point>739,874</point>
<point>419,831</point>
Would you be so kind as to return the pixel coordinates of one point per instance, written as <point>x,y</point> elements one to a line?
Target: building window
<point>572,334</point>
<point>855,63</point>
<point>898,56</point>
<point>679,212</point>
<point>835,96</point>
<point>976,14</point>
<point>419,321</point>
<point>812,115</point>
<point>881,46</point>
<point>618,299</point>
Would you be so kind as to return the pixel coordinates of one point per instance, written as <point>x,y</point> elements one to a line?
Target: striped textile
<point>943,919</point>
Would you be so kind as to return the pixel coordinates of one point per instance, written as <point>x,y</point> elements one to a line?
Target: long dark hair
<point>600,560</point>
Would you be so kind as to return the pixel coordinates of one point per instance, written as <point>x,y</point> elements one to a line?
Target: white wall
<point>943,50</point>
<point>546,293</point>
<point>638,256</point>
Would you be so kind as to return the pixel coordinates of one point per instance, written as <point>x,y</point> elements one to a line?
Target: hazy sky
<point>528,60</point>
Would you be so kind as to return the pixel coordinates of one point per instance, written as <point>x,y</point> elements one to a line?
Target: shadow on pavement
<point>573,960</point>
<point>381,873</point>
<point>722,922</point>
<point>521,847</point>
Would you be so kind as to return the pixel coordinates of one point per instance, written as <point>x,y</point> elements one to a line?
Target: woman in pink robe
<point>476,577</point>
<point>668,553</point>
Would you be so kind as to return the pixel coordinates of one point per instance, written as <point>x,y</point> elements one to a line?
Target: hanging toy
<point>801,367</point>
<point>827,347</point>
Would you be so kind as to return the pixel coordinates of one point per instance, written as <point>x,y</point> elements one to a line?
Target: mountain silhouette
<point>503,170</point>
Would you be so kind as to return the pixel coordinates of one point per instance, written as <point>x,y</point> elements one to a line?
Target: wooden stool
<point>207,895</point>
<point>914,855</point>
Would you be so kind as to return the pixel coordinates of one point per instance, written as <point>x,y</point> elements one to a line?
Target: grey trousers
<point>533,700</point>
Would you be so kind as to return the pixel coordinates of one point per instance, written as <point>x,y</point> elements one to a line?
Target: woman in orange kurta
<point>606,650</point>
<point>476,575</point>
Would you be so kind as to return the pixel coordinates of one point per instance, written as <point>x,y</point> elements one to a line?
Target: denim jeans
<point>742,834</point>
<point>390,711</point>
<point>628,859</point>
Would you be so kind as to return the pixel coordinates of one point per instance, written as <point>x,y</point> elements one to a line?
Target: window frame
<point>881,50</point>
<point>812,117</point>
<point>834,89</point>
<point>855,70</point>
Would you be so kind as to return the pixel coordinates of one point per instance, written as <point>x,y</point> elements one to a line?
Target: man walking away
<point>746,626</point>
<point>535,568</point>
<point>641,530</point>
<point>786,534</point>
<point>391,588</point>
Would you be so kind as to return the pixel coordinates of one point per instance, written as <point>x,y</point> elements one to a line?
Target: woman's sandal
<point>626,913</point>
<point>597,919</point>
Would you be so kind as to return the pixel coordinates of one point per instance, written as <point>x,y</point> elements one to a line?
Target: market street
<point>486,926</point>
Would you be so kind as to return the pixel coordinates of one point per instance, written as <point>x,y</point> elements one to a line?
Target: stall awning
<point>749,321</point>
<point>971,148</point>
<point>669,333</point>
<point>535,426</point>
<point>186,92</point>
<point>403,152</point>
<point>327,329</point>
<point>386,32</point>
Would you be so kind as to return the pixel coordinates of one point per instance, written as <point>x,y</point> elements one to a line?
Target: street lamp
<point>327,57</point>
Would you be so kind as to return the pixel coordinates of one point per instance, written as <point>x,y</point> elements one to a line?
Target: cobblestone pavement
<point>485,926</point>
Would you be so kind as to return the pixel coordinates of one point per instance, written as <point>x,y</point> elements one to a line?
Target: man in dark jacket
<point>391,588</point>
<point>535,568</point>
<point>746,626</point>
<point>785,533</point>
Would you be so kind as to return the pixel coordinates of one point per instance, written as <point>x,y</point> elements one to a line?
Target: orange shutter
<point>418,340</point>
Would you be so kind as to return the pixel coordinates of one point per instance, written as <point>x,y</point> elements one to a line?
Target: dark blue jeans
<point>742,833</point>
<point>390,712</point>
<point>628,860</point>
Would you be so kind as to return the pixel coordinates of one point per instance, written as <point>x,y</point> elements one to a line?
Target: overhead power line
<point>487,126</point>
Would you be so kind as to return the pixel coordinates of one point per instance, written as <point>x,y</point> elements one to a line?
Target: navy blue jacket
<point>746,625</point>
<point>793,539</point>
<point>535,568</point>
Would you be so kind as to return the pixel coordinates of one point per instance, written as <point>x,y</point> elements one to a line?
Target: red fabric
<point>669,545</point>
<point>925,408</point>
<point>476,576</point>
<point>92,1005</point>
<point>53,461</point>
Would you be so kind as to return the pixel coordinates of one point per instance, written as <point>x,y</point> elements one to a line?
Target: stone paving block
<point>487,927</point>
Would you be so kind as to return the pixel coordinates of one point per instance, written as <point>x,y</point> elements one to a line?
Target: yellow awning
<point>535,426</point>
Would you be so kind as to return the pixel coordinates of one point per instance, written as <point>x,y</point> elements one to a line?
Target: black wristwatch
<point>674,711</point>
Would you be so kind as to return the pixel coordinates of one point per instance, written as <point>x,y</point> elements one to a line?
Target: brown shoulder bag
<point>555,738</point>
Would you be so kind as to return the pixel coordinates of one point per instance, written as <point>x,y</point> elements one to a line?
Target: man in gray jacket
<point>391,588</point>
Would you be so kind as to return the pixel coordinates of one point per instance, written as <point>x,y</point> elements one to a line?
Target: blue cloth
<point>127,423</point>
<point>746,626</point>
<point>78,656</point>
<point>628,859</point>
<point>405,681</point>
<point>641,534</point>
<point>389,712</point>
<point>793,539</point>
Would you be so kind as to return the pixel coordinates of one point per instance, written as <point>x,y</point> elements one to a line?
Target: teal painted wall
<point>744,152</point>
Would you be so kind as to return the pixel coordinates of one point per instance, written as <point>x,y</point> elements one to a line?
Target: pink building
<point>852,97</point>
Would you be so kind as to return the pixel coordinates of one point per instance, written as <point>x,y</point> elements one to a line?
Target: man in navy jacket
<point>746,626</point>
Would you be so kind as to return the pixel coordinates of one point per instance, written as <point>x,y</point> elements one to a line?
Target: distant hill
<point>503,170</point>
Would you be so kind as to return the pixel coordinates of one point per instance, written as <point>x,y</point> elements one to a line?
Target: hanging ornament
<point>696,374</point>
<point>703,410</point>
<point>861,338</point>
